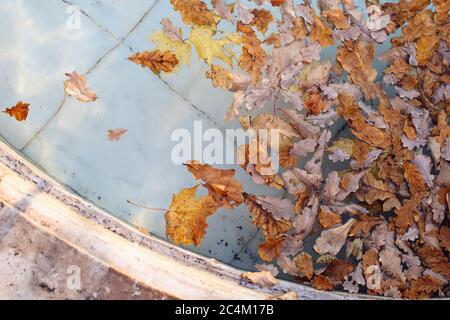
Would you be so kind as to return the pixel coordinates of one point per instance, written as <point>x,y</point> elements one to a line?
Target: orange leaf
<point>186,217</point>
<point>194,12</point>
<point>222,186</point>
<point>19,111</point>
<point>271,249</point>
<point>115,135</point>
<point>321,32</point>
<point>304,264</point>
<point>156,60</point>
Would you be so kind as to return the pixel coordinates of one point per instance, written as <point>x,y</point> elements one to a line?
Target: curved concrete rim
<point>58,211</point>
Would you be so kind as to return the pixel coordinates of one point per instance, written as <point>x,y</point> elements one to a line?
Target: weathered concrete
<point>37,265</point>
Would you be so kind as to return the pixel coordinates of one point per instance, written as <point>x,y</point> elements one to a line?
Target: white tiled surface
<point>68,138</point>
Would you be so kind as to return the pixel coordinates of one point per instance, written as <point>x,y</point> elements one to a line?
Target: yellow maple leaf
<point>186,217</point>
<point>209,48</point>
<point>182,50</point>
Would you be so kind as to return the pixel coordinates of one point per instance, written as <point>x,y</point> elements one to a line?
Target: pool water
<point>68,138</point>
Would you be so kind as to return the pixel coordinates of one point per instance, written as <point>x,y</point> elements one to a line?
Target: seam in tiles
<point>99,25</point>
<point>122,41</point>
<point>37,133</point>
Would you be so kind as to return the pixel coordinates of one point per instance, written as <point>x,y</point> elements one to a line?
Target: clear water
<point>68,138</point>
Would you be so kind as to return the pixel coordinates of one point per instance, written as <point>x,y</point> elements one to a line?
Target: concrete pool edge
<point>27,192</point>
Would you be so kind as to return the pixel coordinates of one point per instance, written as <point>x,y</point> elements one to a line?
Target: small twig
<point>143,207</point>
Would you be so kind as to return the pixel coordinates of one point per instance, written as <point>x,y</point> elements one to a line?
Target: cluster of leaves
<point>381,225</point>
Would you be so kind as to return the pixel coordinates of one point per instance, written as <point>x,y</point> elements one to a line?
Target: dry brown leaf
<point>322,283</point>
<point>421,25</point>
<point>338,270</point>
<point>221,77</point>
<point>415,179</point>
<point>222,186</point>
<point>261,19</point>
<point>337,17</point>
<point>321,32</point>
<point>271,249</point>
<point>363,226</point>
<point>263,279</point>
<point>194,12</point>
<point>156,60</point>
<point>423,287</point>
<point>116,134</point>
<point>444,237</point>
<point>314,104</point>
<point>19,111</point>
<point>426,48</point>
<point>265,220</point>
<point>328,218</point>
<point>357,59</point>
<point>253,56</point>
<point>352,113</point>
<point>77,87</point>
<point>186,217</point>
<point>332,240</point>
<point>404,217</point>
<point>304,265</point>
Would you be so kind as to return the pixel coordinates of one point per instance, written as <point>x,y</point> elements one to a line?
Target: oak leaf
<point>263,279</point>
<point>220,77</point>
<point>328,218</point>
<point>76,86</point>
<point>116,134</point>
<point>271,249</point>
<point>357,58</point>
<point>265,220</point>
<point>19,111</point>
<point>337,17</point>
<point>321,32</point>
<point>322,283</point>
<point>222,186</point>
<point>156,60</point>
<point>304,265</point>
<point>179,47</point>
<point>261,19</point>
<point>194,12</point>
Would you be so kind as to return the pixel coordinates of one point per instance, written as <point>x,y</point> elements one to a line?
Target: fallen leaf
<point>263,279</point>
<point>332,240</point>
<point>322,283</point>
<point>271,249</point>
<point>19,111</point>
<point>304,264</point>
<point>186,217</point>
<point>222,186</point>
<point>194,12</point>
<point>209,48</point>
<point>328,218</point>
<point>76,87</point>
<point>264,219</point>
<point>115,135</point>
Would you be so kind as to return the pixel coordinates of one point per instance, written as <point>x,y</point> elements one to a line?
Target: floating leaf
<point>19,111</point>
